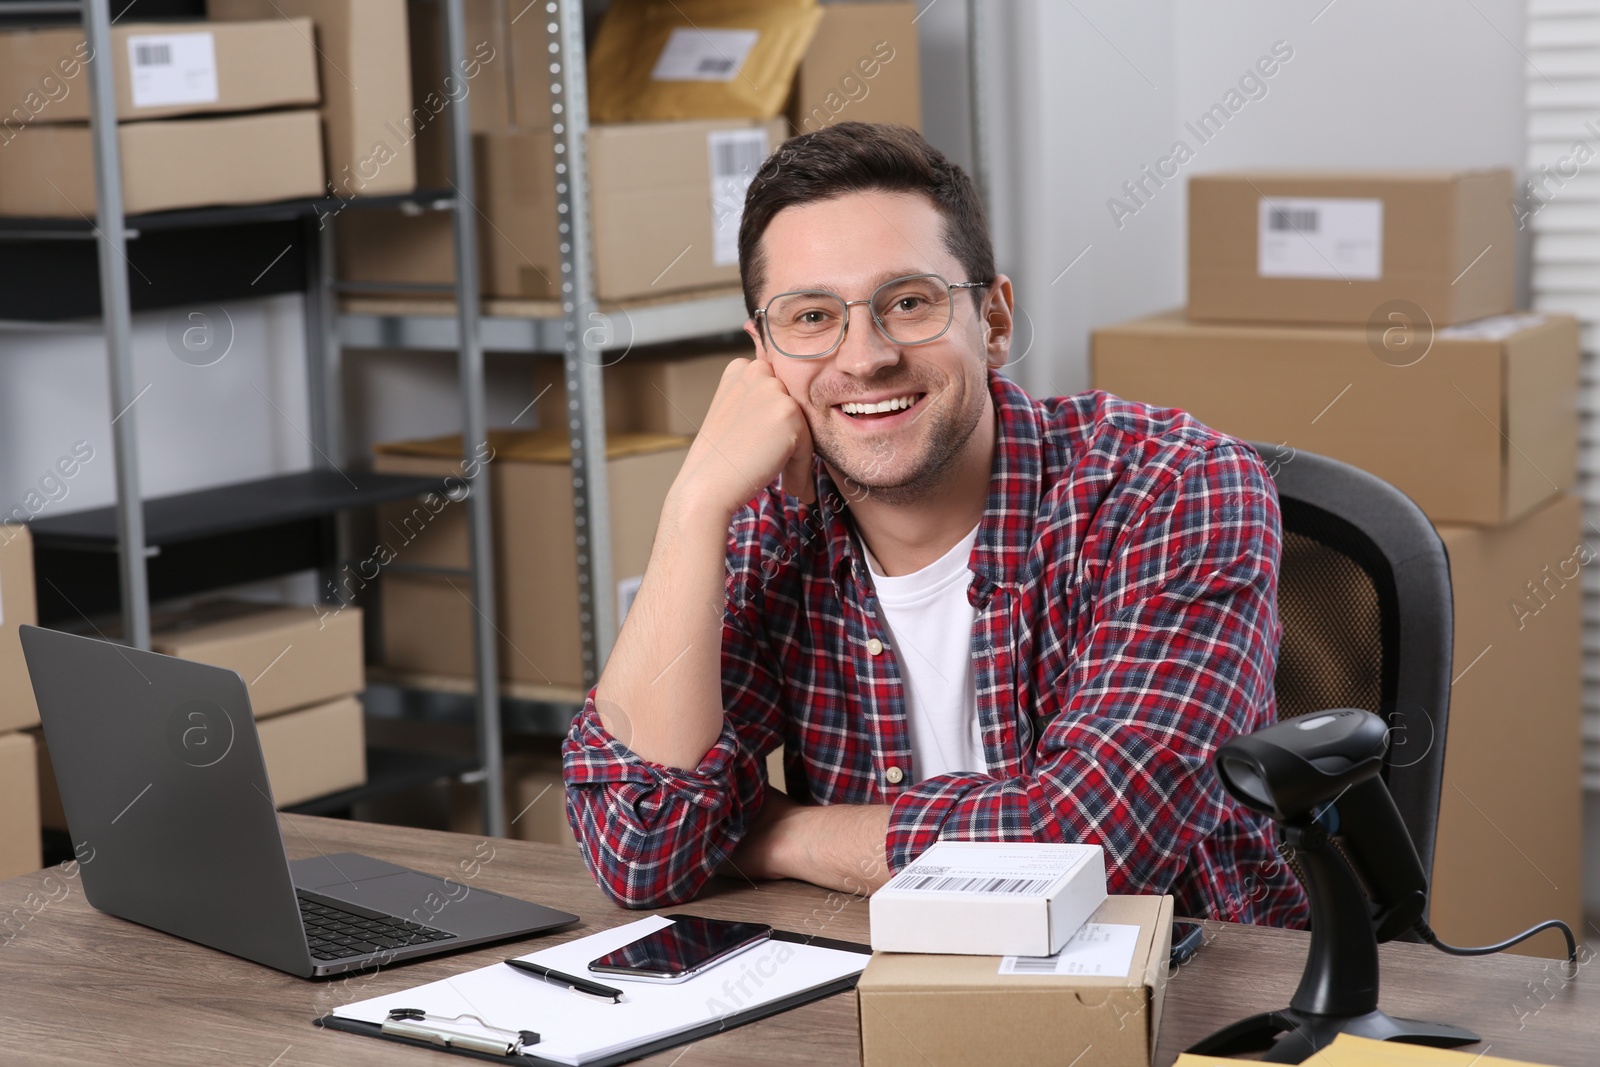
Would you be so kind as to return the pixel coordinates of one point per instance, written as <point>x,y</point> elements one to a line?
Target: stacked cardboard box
<point>303,668</point>
<point>193,109</point>
<point>536,797</point>
<point>369,124</point>
<point>674,145</point>
<point>427,617</point>
<point>1369,317</point>
<point>19,789</point>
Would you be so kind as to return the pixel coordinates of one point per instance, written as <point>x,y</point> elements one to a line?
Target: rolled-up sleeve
<point>652,835</point>
<point>1175,656</point>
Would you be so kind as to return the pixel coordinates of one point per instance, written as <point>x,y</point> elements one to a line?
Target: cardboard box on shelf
<point>18,606</point>
<point>1351,246</point>
<point>516,218</point>
<point>658,60</point>
<point>665,391</point>
<point>19,806</point>
<point>288,655</point>
<point>536,800</point>
<point>366,88</point>
<point>666,199</point>
<point>161,69</point>
<point>861,67</point>
<point>1477,423</point>
<point>48,170</point>
<point>964,1009</point>
<point>1513,761</point>
<point>427,619</point>
<point>314,751</point>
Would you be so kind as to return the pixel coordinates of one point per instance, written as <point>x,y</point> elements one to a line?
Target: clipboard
<point>727,1022</point>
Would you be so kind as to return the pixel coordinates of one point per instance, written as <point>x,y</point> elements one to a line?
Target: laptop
<point>171,815</point>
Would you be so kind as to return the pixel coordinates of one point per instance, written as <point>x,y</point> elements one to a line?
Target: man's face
<point>849,246</point>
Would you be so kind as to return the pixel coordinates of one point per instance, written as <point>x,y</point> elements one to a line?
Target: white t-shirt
<point>930,629</point>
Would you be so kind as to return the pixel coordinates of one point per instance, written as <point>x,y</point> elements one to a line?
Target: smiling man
<point>965,614</point>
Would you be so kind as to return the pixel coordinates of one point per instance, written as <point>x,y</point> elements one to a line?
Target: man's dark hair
<point>854,157</point>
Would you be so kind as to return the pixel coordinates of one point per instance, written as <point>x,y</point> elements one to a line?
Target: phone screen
<point>689,945</point>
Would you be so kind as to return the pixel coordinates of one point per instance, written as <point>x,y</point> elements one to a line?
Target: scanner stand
<point>1339,990</point>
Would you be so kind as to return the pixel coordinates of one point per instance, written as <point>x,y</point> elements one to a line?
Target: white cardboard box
<point>985,898</point>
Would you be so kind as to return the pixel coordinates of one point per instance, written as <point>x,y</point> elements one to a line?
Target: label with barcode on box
<point>1101,949</point>
<point>1320,237</point>
<point>709,55</point>
<point>168,69</point>
<point>736,155</point>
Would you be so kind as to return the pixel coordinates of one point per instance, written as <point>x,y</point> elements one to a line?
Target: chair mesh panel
<point>1336,604</point>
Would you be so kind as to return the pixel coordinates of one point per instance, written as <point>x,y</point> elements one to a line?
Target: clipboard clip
<point>415,1024</point>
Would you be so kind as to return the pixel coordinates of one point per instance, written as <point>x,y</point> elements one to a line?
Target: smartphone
<point>678,952</point>
<point>1186,941</point>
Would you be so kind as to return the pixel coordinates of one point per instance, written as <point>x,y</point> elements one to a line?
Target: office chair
<point>1364,600</point>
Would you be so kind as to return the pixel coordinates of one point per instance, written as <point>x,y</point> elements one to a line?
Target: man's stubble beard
<point>948,431</point>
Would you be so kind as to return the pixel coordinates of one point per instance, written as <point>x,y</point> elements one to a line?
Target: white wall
<point>1086,93</point>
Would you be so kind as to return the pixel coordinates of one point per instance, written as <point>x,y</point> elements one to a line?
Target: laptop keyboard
<point>335,933</point>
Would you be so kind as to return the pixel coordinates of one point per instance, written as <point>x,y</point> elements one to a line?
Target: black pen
<point>572,982</point>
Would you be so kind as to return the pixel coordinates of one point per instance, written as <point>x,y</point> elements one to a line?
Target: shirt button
<point>895,775</point>
<point>874,646</point>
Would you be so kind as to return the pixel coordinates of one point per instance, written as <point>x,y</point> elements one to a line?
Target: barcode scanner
<point>1319,777</point>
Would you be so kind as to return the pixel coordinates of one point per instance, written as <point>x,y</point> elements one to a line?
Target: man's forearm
<point>840,846</point>
<point>661,691</point>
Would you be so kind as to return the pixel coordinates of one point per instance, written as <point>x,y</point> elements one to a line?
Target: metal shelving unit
<point>272,506</point>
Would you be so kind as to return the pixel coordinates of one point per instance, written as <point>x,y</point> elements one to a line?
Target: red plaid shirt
<point>1125,577</point>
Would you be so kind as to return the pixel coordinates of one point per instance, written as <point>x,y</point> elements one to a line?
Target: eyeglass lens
<point>909,311</point>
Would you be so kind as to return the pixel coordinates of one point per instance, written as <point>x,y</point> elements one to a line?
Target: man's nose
<point>865,351</point>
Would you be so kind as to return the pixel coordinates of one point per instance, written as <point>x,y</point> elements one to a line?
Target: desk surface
<point>83,987</point>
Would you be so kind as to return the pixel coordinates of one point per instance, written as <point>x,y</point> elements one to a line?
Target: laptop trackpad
<point>410,895</point>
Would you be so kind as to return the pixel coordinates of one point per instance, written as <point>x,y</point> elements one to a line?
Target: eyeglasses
<point>811,323</point>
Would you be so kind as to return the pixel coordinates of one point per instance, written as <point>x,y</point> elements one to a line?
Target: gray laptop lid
<point>161,776</point>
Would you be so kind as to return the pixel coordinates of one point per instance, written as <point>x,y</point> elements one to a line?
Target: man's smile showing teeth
<point>899,403</point>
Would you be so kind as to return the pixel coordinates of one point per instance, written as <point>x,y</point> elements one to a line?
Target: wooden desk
<point>83,987</point>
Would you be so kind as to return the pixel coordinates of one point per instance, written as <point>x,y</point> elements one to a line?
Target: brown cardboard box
<point>661,223</point>
<point>48,170</point>
<point>427,619</point>
<point>861,67</point>
<point>516,213</point>
<point>506,79</point>
<point>1510,843</point>
<point>245,66</point>
<point>536,800</point>
<point>17,606</point>
<point>314,751</point>
<point>1443,242</point>
<point>366,87</point>
<point>660,392</point>
<point>958,1010</point>
<point>656,60</point>
<point>1480,428</point>
<point>19,806</point>
<point>287,655</point>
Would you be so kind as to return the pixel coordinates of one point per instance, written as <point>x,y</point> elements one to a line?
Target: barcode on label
<point>1034,965</point>
<point>715,65</point>
<point>1016,886</point>
<point>154,54</point>
<point>738,157</point>
<point>1297,220</point>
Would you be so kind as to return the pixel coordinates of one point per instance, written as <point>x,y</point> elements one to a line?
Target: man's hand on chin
<point>840,846</point>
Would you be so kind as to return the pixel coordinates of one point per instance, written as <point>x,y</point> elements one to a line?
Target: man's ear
<point>754,333</point>
<point>999,323</point>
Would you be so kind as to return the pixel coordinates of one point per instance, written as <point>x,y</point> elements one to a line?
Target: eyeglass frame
<point>844,323</point>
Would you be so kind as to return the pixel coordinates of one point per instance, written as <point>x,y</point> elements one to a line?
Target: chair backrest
<point>1364,600</point>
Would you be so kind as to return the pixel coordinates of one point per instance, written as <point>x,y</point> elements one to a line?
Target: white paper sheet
<point>576,1030</point>
<point>1101,949</point>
